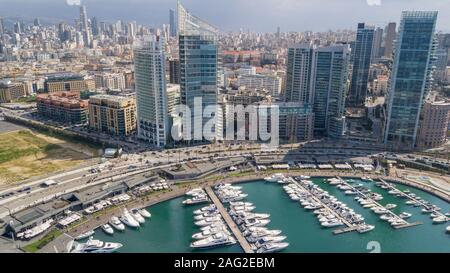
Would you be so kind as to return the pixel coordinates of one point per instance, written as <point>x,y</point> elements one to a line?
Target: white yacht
<point>115,223</point>
<point>379,210</point>
<point>137,216</point>
<point>331,223</point>
<point>365,228</point>
<point>274,177</point>
<point>208,221</point>
<point>272,247</point>
<point>85,235</point>
<point>448,229</point>
<point>254,236</point>
<point>218,239</point>
<point>128,219</point>
<point>209,232</point>
<point>256,222</point>
<point>390,206</point>
<point>405,215</point>
<point>206,215</point>
<point>268,239</point>
<point>108,229</point>
<point>96,246</point>
<point>145,213</point>
<point>439,220</point>
<point>196,200</point>
<point>195,191</point>
<point>205,209</point>
<point>240,203</point>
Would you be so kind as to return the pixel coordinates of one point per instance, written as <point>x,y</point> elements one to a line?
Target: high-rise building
<point>87,35</point>
<point>377,41</point>
<point>411,77</point>
<point>95,26</point>
<point>361,64</point>
<point>37,22</point>
<point>115,115</point>
<point>198,53</point>
<point>298,73</point>
<point>390,34</point>
<point>434,123</point>
<point>173,26</point>
<point>174,71</point>
<point>2,26</point>
<point>18,27</point>
<point>150,81</point>
<point>329,85</point>
<point>441,63</point>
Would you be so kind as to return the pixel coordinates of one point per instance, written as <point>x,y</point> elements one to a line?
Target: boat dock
<point>349,226</point>
<point>422,203</point>
<point>407,224</point>
<point>233,227</point>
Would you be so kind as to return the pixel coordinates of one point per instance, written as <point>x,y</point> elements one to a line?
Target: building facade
<point>198,52</point>
<point>115,115</point>
<point>151,96</point>
<point>64,107</point>
<point>271,83</point>
<point>361,64</point>
<point>411,77</point>
<point>298,73</point>
<point>329,87</point>
<point>434,124</point>
<point>10,91</point>
<point>68,82</point>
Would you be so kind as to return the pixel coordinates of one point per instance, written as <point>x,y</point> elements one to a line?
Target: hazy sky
<point>257,15</point>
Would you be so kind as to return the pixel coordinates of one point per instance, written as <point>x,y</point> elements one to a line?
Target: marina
<point>172,232</point>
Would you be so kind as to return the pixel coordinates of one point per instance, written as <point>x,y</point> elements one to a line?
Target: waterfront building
<point>411,77</point>
<point>151,96</point>
<point>60,82</point>
<point>296,122</point>
<point>198,67</point>
<point>298,73</point>
<point>115,115</point>
<point>64,107</point>
<point>390,34</point>
<point>329,87</point>
<point>10,91</point>
<point>434,123</point>
<point>361,63</point>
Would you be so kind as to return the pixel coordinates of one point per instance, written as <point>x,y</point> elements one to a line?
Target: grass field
<point>25,154</point>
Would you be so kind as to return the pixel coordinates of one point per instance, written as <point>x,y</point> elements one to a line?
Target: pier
<point>407,224</point>
<point>233,227</point>
<point>422,203</point>
<point>349,226</point>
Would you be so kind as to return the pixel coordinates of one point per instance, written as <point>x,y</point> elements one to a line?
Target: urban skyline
<point>290,15</point>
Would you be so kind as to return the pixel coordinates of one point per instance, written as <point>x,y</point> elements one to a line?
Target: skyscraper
<point>173,26</point>
<point>95,26</point>
<point>298,72</point>
<point>87,38</point>
<point>411,77</point>
<point>198,66</point>
<point>329,85</point>
<point>151,97</point>
<point>2,26</point>
<point>37,22</point>
<point>389,39</point>
<point>377,41</point>
<point>361,64</point>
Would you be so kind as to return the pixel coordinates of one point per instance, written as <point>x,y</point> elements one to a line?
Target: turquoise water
<point>171,226</point>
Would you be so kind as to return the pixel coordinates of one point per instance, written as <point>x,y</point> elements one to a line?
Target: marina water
<point>171,226</point>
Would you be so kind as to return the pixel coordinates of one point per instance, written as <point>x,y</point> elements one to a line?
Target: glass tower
<point>298,72</point>
<point>198,65</point>
<point>411,77</point>
<point>329,86</point>
<point>151,96</point>
<point>361,64</point>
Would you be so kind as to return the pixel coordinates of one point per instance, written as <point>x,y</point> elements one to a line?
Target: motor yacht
<point>107,229</point>
<point>208,221</point>
<point>115,223</point>
<point>350,192</point>
<point>206,215</point>
<point>128,219</point>
<point>439,220</point>
<point>96,246</point>
<point>218,239</point>
<point>254,236</point>
<point>448,229</point>
<point>144,213</point>
<point>274,177</point>
<point>267,239</point>
<point>272,247</point>
<point>240,203</point>
<point>196,200</point>
<point>379,210</point>
<point>331,223</point>
<point>137,216</point>
<point>405,215</point>
<point>209,232</point>
<point>85,235</point>
<point>365,228</point>
<point>205,209</point>
<point>390,206</point>
<point>254,222</point>
<point>195,191</point>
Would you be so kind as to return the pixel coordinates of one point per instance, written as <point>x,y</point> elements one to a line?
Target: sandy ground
<point>64,156</point>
